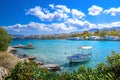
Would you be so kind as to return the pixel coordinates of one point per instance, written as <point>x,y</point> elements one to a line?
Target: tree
<point>5,39</point>
<point>97,33</point>
<point>103,33</point>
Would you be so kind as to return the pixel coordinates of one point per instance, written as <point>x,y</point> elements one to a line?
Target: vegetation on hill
<point>4,39</point>
<point>108,71</point>
<point>101,33</point>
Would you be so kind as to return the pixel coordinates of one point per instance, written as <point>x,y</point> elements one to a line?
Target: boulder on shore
<point>3,73</point>
<point>52,67</point>
<point>12,50</point>
<point>24,60</point>
<point>31,58</point>
<point>39,63</point>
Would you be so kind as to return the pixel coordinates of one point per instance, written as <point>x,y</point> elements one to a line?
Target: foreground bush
<point>30,71</point>
<point>108,71</point>
<point>4,39</point>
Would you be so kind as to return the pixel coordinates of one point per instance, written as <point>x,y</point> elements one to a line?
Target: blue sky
<point>58,16</point>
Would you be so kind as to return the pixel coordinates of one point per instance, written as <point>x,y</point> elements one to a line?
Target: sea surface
<point>53,51</point>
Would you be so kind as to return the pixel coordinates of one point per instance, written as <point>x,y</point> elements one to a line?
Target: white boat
<point>29,46</point>
<point>83,56</point>
<point>18,46</point>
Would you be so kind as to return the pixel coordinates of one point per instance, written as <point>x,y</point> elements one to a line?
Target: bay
<point>53,51</point>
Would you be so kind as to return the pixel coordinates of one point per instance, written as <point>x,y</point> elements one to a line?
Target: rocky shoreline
<point>4,72</point>
<point>27,58</point>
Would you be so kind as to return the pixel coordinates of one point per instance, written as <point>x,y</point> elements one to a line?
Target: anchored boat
<point>83,56</point>
<point>29,46</point>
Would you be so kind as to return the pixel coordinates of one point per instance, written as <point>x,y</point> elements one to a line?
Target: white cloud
<point>92,26</point>
<point>62,8</point>
<point>16,27</point>
<point>52,6</point>
<point>28,27</point>
<point>113,11</point>
<point>32,26</point>
<point>77,14</point>
<point>69,26</point>
<point>108,25</point>
<point>95,10</point>
<point>79,24</point>
<point>61,27</point>
<point>60,12</point>
<point>104,25</point>
<point>115,24</point>
<point>39,26</point>
<point>37,11</point>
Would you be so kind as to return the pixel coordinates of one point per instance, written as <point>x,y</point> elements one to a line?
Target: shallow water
<point>53,51</point>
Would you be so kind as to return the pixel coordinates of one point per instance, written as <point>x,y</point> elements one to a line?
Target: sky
<point>58,16</point>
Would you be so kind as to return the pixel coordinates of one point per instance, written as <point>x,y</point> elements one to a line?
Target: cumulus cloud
<point>62,8</point>
<point>108,25</point>
<point>77,14</point>
<point>16,27</point>
<point>32,26</point>
<point>39,26</point>
<point>95,10</point>
<point>28,27</point>
<point>61,27</point>
<point>52,6</point>
<point>60,12</point>
<point>79,24</point>
<point>113,11</point>
<point>68,26</point>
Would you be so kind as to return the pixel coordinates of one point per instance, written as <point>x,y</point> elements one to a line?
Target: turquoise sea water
<point>53,51</point>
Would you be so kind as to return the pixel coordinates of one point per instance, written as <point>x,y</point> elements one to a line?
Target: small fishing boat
<point>83,56</point>
<point>29,46</point>
<point>18,46</point>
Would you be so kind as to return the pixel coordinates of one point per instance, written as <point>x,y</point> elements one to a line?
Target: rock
<point>39,63</point>
<point>25,55</point>
<point>12,50</point>
<point>31,58</point>
<point>24,60</point>
<point>3,73</point>
<point>52,67</point>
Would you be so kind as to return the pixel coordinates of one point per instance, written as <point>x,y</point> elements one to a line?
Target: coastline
<point>26,58</point>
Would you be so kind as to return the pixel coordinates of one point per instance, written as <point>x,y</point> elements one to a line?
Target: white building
<point>95,38</point>
<point>75,38</point>
<point>112,38</point>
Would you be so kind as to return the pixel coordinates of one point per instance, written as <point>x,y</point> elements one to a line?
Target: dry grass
<point>8,60</point>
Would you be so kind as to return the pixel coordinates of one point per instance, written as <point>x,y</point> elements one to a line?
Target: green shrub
<point>24,71</point>
<point>30,71</point>
<point>4,39</point>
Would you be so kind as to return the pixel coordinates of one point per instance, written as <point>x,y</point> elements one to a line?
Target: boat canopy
<point>85,47</point>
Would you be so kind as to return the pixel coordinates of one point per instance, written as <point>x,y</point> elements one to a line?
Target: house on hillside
<point>75,38</point>
<point>95,38</point>
<point>112,38</point>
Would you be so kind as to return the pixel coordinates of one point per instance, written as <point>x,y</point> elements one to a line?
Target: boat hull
<point>28,47</point>
<point>81,58</point>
